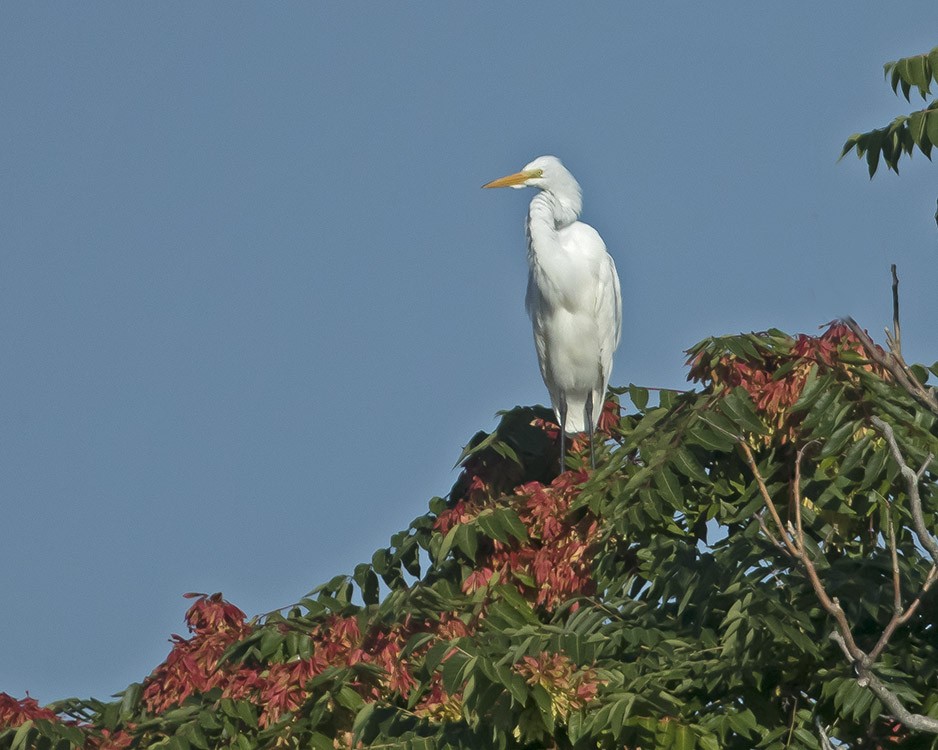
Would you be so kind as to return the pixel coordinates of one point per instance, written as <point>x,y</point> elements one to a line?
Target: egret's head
<point>546,173</point>
<point>540,173</point>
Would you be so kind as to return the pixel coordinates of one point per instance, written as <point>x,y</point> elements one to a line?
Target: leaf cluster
<point>905,133</point>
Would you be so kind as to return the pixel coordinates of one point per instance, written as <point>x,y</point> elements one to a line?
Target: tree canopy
<point>749,566</point>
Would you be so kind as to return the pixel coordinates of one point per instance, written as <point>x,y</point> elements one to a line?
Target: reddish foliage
<point>14,712</point>
<point>555,554</point>
<point>554,558</point>
<point>570,688</point>
<point>278,689</point>
<point>551,429</point>
<point>107,740</point>
<point>607,424</point>
<point>774,396</point>
<point>437,704</point>
<point>190,666</point>
<point>609,417</point>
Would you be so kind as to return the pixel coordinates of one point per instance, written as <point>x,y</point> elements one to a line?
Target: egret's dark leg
<point>563,433</point>
<point>589,427</point>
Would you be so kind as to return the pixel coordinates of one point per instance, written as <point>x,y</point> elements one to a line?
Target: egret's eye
<point>538,173</point>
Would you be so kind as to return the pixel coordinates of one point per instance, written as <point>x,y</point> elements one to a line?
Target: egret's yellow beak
<point>513,180</point>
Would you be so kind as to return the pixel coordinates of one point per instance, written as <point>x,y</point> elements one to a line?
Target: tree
<point>749,566</point>
<point>904,134</point>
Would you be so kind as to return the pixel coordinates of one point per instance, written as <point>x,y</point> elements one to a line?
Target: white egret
<point>573,297</point>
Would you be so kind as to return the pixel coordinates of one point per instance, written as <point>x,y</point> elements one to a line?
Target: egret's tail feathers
<point>576,413</point>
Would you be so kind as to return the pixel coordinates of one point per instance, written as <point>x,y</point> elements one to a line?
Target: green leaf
<point>246,713</point>
<point>349,698</point>
<point>22,732</point>
<point>453,669</point>
<point>683,739</point>
<point>704,435</point>
<point>931,125</point>
<point>669,487</point>
<point>919,74</point>
<point>543,702</point>
<point>513,524</point>
<point>467,540</point>
<point>638,396</point>
<point>130,699</point>
<point>805,737</point>
<point>491,523</point>
<point>920,373</point>
<point>320,741</point>
<point>839,438</point>
<point>739,407</point>
<point>447,544</point>
<point>195,736</point>
<point>435,655</point>
<point>685,462</point>
<point>361,721</point>
<point>380,561</point>
<point>917,121</point>
<point>872,155</point>
<point>511,596</point>
<point>370,589</point>
<point>620,712</point>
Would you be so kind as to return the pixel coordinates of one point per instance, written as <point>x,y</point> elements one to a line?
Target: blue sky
<point>253,301</point>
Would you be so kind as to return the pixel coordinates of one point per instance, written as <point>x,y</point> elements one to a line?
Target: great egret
<point>573,297</point>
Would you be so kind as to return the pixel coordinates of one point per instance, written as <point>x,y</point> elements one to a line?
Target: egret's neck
<point>549,212</point>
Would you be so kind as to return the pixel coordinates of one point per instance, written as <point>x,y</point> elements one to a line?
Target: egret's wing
<point>534,304</point>
<point>608,314</point>
<point>591,276</point>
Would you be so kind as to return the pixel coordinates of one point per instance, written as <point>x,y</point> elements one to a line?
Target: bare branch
<point>797,550</point>
<point>793,538</point>
<point>917,722</point>
<point>929,580</point>
<point>912,478</point>
<point>889,699</point>
<point>896,367</point>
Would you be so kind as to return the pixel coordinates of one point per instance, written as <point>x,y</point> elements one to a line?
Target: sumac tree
<point>749,566</point>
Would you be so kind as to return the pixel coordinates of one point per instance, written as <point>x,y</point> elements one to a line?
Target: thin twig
<point>894,557</point>
<point>895,339</point>
<point>791,724</point>
<point>760,519</point>
<point>767,499</point>
<point>897,612</point>
<point>797,492</point>
<point>822,733</point>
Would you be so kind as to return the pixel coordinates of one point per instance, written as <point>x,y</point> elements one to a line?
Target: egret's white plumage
<point>573,294</point>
